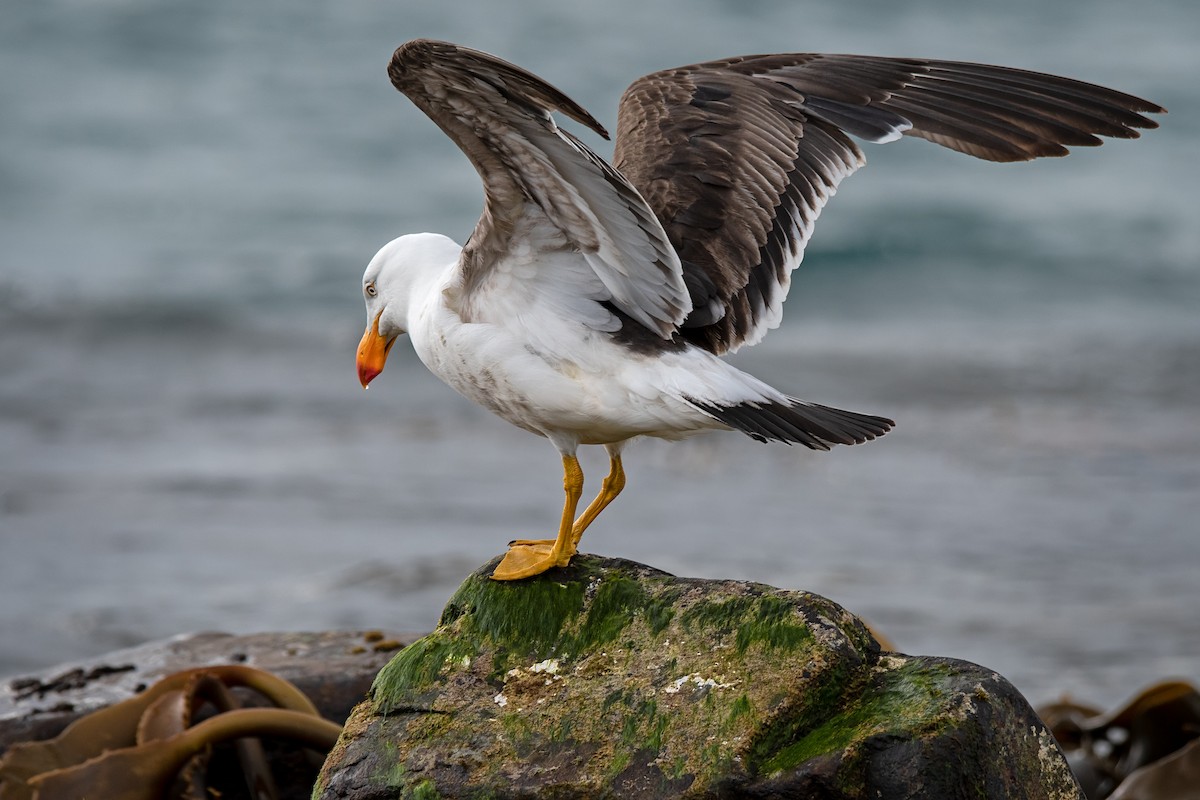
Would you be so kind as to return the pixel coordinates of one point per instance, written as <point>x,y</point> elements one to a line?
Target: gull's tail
<point>796,421</point>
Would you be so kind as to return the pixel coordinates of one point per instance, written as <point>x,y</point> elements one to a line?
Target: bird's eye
<point>370,290</point>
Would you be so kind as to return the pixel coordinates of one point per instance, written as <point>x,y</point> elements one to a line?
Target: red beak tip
<point>366,375</point>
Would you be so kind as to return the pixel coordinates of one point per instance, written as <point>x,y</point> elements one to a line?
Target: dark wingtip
<point>419,53</point>
<point>416,51</point>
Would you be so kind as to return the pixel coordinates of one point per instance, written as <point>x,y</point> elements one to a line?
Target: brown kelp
<point>139,749</point>
<point>1148,741</point>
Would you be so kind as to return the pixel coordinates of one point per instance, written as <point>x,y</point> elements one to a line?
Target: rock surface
<point>610,679</point>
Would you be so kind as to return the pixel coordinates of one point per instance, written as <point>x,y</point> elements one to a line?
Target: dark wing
<point>737,157</point>
<point>534,173</point>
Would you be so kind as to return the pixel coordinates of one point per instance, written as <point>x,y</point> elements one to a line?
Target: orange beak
<point>372,353</point>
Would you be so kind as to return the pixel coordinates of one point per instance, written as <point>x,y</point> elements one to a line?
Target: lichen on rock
<point>613,679</point>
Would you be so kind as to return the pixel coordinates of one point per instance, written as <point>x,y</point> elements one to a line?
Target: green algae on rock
<point>612,679</point>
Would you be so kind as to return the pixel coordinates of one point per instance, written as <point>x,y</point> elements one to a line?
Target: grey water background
<point>190,190</point>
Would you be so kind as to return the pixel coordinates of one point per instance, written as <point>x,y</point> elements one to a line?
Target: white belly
<point>568,382</point>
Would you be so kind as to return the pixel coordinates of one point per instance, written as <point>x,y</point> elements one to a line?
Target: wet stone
<point>610,679</point>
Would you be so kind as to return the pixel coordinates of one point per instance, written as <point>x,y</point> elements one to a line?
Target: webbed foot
<point>524,560</point>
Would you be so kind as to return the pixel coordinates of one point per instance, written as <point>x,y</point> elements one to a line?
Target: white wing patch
<point>632,257</point>
<point>541,275</point>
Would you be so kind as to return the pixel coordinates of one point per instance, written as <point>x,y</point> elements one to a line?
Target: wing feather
<point>737,157</point>
<point>499,116</point>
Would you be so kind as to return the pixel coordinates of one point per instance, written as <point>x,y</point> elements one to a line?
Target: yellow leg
<point>526,560</point>
<point>613,483</point>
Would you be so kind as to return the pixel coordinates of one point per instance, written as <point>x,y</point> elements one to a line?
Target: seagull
<point>593,301</point>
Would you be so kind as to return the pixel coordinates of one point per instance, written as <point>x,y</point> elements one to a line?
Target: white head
<point>396,275</point>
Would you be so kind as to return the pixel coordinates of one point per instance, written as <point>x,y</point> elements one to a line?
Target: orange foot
<point>526,558</point>
<point>531,542</point>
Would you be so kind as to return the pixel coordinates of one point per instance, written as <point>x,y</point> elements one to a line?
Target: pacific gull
<point>593,301</point>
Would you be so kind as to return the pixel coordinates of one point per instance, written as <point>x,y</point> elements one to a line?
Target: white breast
<point>553,375</point>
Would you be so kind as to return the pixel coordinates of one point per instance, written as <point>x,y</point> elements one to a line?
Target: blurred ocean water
<point>189,192</point>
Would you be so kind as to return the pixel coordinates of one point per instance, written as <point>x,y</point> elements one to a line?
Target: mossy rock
<point>610,679</point>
